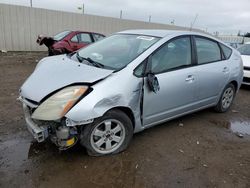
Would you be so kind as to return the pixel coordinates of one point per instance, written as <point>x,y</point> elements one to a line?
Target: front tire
<point>109,134</point>
<point>226,99</point>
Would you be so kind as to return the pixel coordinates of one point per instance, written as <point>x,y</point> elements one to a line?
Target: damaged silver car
<point>101,95</point>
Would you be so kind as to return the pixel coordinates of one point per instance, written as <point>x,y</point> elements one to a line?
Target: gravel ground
<point>203,149</point>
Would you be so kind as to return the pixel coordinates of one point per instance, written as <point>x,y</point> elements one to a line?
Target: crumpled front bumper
<point>40,133</point>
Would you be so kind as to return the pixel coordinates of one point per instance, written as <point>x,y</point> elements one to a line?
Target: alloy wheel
<point>227,97</point>
<point>107,136</point>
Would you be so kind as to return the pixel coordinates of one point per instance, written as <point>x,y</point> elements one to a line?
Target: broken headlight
<point>56,106</point>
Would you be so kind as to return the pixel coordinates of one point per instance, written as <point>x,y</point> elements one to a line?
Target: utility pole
<point>192,23</point>
<point>31,4</point>
<point>83,8</point>
<point>149,18</point>
<point>121,14</point>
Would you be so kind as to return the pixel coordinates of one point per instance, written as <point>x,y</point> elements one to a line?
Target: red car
<point>68,41</point>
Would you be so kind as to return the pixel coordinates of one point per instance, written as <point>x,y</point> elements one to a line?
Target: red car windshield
<point>61,35</point>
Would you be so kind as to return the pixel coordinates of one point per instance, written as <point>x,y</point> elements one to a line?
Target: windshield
<point>116,51</point>
<point>61,35</point>
<point>244,49</point>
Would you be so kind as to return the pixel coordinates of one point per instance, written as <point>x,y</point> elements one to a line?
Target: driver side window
<point>74,39</point>
<point>172,55</point>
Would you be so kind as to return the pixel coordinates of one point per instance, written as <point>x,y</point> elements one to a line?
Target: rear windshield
<point>244,49</point>
<point>61,35</point>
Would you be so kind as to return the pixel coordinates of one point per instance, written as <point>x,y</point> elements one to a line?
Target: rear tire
<point>109,134</point>
<point>226,99</point>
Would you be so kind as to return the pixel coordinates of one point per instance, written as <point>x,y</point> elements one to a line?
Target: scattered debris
<point>136,166</point>
<point>189,168</point>
<point>85,166</point>
<point>235,111</point>
<point>197,142</point>
<point>239,135</point>
<point>205,165</point>
<point>26,171</point>
<point>181,124</point>
<point>37,60</point>
<point>4,51</point>
<point>180,150</point>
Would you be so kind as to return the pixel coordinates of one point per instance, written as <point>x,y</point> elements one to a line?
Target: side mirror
<point>153,82</point>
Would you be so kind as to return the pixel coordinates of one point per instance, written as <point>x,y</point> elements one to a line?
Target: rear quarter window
<point>226,50</point>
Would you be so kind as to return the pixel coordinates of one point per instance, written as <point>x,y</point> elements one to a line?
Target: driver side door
<point>172,65</point>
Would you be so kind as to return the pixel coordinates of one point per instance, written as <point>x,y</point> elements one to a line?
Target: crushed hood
<point>53,73</point>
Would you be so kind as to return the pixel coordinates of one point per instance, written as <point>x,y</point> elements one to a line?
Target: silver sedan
<point>102,94</point>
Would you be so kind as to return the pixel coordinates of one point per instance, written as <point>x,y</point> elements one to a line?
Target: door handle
<point>225,69</point>
<point>190,78</point>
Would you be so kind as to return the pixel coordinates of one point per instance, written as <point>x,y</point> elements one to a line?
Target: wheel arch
<point>127,111</point>
<point>235,83</point>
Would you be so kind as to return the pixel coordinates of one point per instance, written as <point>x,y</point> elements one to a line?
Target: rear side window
<point>84,38</point>
<point>227,51</point>
<point>97,37</point>
<point>207,50</point>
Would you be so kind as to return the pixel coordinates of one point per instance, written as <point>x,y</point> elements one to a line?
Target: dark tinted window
<point>227,51</point>
<point>173,55</point>
<point>207,50</point>
<point>244,49</point>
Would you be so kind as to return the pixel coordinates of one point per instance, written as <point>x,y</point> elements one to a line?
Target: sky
<point>224,16</point>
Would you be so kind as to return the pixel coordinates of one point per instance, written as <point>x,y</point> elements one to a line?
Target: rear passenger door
<point>212,70</point>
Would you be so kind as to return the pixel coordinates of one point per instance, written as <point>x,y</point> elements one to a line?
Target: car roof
<point>158,32</point>
<point>77,31</point>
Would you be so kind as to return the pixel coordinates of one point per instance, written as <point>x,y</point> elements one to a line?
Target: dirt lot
<point>198,150</point>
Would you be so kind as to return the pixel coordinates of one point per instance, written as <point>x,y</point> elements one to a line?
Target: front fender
<point>89,108</point>
<point>107,95</point>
